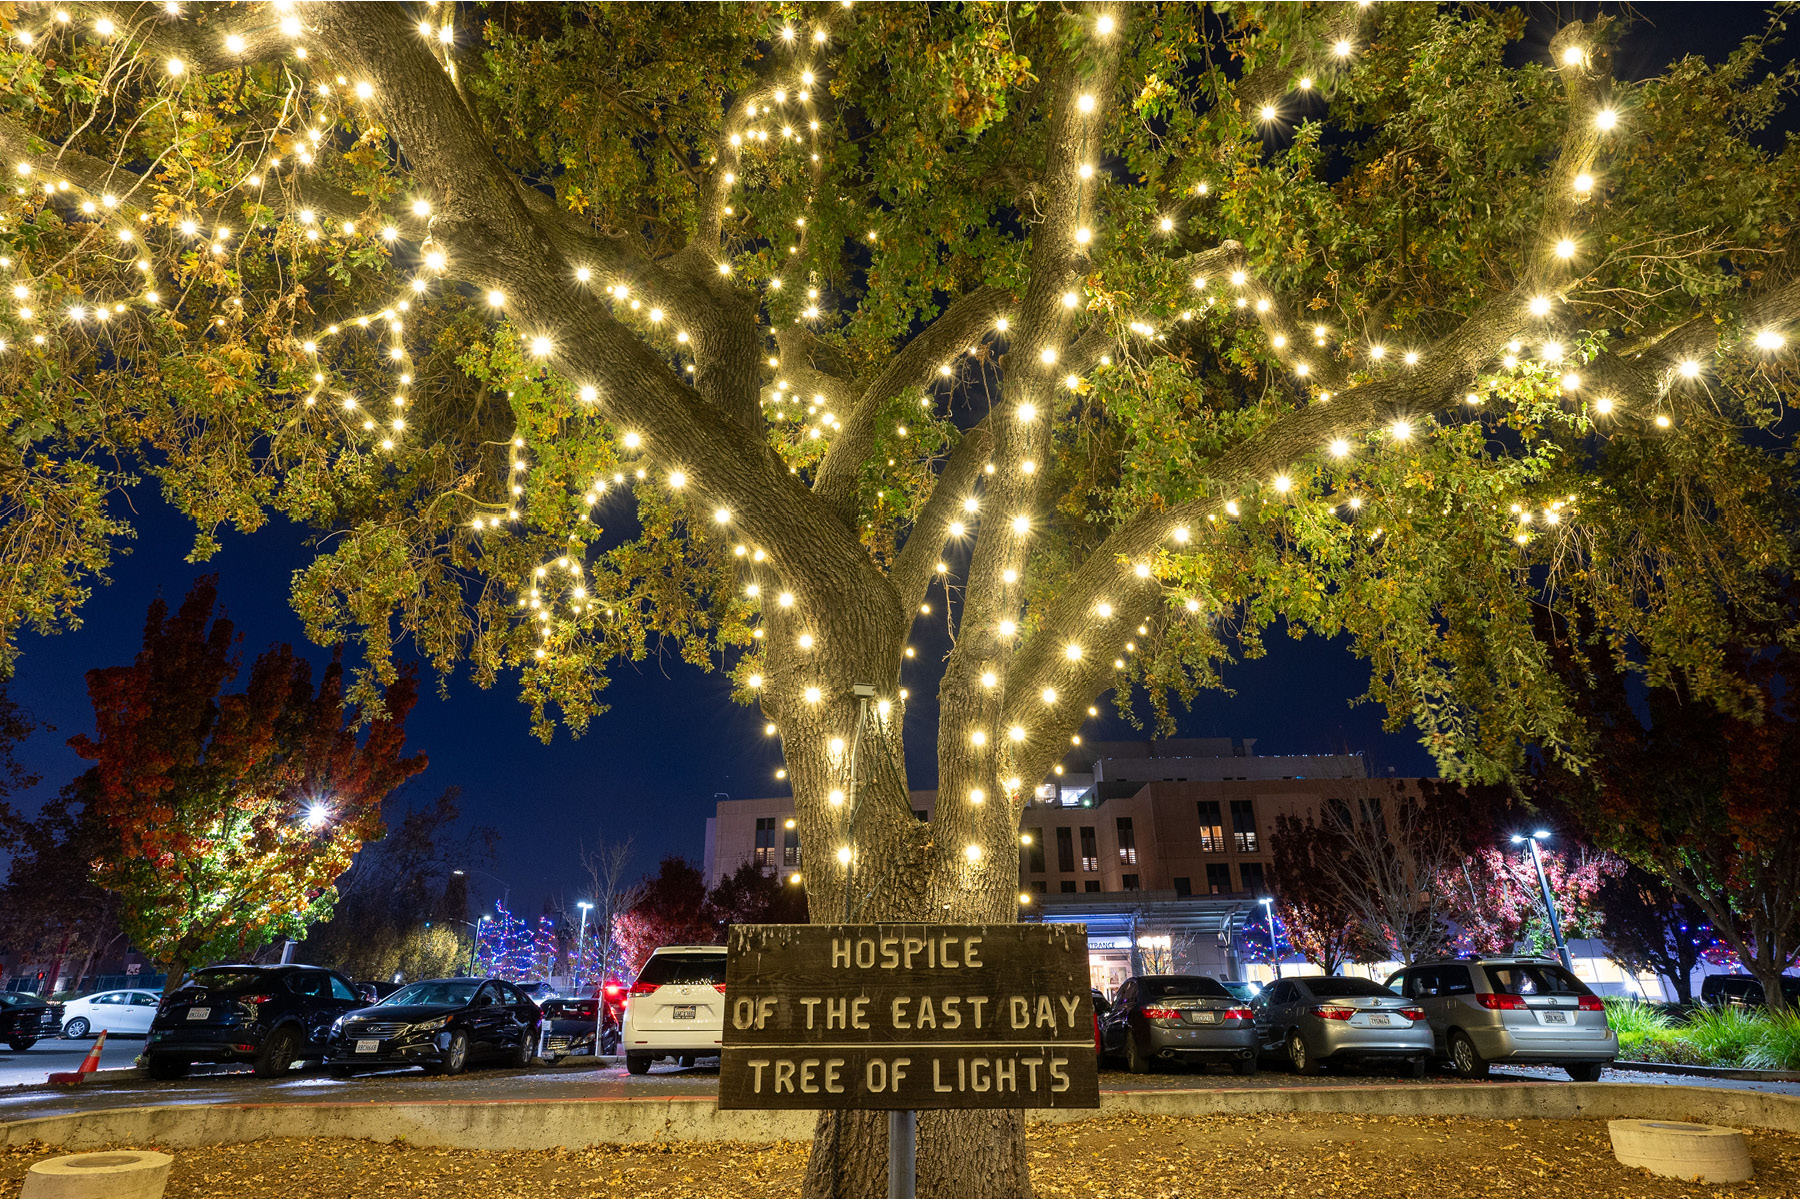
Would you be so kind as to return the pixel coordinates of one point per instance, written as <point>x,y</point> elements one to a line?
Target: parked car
<point>1745,991</point>
<point>676,1007</point>
<point>441,1025</point>
<point>129,1011</point>
<point>1511,1010</point>
<point>269,1016</point>
<point>570,1024</point>
<point>25,1017</point>
<point>1186,1018</point>
<point>1317,1020</point>
<point>538,991</point>
<point>1101,1003</point>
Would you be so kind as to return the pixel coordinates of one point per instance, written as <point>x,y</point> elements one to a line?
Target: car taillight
<point>721,988</point>
<point>1413,1014</point>
<point>1334,1012</point>
<point>1097,1033</point>
<point>1241,1014</point>
<point>1162,1014</point>
<point>1590,1004</point>
<point>258,999</point>
<point>1499,1000</point>
<point>643,989</point>
<point>613,990</point>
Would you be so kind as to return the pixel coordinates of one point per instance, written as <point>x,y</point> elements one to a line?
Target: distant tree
<point>51,911</point>
<point>1704,797</point>
<point>229,816</point>
<point>1653,929</point>
<point>606,866</point>
<point>672,911</point>
<point>749,896</point>
<point>401,906</point>
<point>1317,916</point>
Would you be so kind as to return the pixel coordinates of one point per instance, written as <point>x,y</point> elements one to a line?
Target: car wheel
<point>686,1060</point>
<point>1585,1072</point>
<point>22,1043</point>
<point>521,1057</point>
<point>456,1054</point>
<point>278,1053</point>
<point>1135,1060</point>
<point>1468,1060</point>
<point>1300,1055</point>
<point>76,1028</point>
<point>609,1042</point>
<point>1245,1066</point>
<point>637,1064</point>
<point>167,1068</point>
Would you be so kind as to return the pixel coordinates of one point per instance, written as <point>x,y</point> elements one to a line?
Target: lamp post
<point>580,942</point>
<point>1268,903</point>
<point>1537,860</point>
<point>505,887</point>
<point>476,945</point>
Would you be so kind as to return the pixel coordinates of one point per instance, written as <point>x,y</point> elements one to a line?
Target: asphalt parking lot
<point>31,1097</point>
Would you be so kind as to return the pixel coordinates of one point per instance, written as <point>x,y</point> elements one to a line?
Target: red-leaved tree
<point>229,816</point>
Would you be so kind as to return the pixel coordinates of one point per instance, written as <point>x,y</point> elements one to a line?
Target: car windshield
<point>684,968</point>
<point>1533,979</point>
<point>436,991</point>
<point>228,980</point>
<point>17,999</point>
<point>1338,986</point>
<point>1155,987</point>
<point>567,1010</point>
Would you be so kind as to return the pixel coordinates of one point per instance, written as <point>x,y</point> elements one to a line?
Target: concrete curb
<point>1710,1072</point>
<point>548,1124</point>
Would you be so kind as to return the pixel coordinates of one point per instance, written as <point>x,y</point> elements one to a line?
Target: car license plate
<point>685,1012</point>
<point>368,1045</point>
<point>199,1014</point>
<point>1203,1017</point>
<point>1555,1018</point>
<point>1380,1019</point>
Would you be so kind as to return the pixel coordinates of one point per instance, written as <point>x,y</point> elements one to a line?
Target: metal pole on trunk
<point>1537,860</point>
<point>903,1146</point>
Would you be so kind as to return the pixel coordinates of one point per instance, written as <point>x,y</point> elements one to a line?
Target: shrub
<point>1725,1037</point>
<point>1632,1019</point>
<point>1778,1049</point>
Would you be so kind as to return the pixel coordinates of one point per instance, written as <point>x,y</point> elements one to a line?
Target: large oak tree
<point>1114,334</point>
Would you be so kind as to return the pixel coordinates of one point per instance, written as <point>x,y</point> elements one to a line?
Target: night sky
<point>651,768</point>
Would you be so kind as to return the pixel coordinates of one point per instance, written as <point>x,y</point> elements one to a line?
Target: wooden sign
<point>908,1016</point>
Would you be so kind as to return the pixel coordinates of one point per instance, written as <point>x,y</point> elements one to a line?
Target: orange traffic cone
<point>89,1064</point>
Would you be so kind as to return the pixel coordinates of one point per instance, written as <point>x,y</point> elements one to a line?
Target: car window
<point>1455,981</point>
<point>341,990</point>
<point>143,998</point>
<point>511,995</point>
<point>1282,993</point>
<point>15,999</point>
<point>684,968</point>
<point>1155,987</point>
<point>489,993</point>
<point>434,991</point>
<point>307,983</point>
<point>569,1010</point>
<point>1533,979</point>
<point>1340,985</point>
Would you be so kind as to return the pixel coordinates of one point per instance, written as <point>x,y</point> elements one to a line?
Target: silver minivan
<point>1510,1010</point>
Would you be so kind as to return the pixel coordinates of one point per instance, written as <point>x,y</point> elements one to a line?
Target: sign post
<point>900,1017</point>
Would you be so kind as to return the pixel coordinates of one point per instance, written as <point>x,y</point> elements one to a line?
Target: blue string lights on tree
<point>506,946</point>
<point>544,949</point>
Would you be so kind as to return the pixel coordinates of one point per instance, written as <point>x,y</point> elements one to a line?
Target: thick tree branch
<point>917,561</point>
<point>956,328</point>
<point>201,49</point>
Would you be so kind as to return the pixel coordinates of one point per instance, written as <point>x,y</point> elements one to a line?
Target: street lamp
<point>1537,860</point>
<point>505,887</point>
<point>580,942</point>
<point>317,814</point>
<point>1268,903</point>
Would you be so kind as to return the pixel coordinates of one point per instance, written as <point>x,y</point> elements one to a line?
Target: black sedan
<point>24,1018</point>
<point>1178,1018</point>
<point>442,1025</point>
<point>570,1025</point>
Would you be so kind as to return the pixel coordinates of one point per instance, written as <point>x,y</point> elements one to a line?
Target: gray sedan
<point>1178,1018</point>
<point>1320,1019</point>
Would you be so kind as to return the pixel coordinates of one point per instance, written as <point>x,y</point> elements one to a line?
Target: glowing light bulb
<point>1268,112</point>
<point>1401,430</point>
<point>1584,183</point>
<point>234,44</point>
<point>1689,368</point>
<point>1049,695</point>
<point>1339,448</point>
<point>1085,103</point>
<point>1605,119</point>
<point>1539,306</point>
<point>1768,339</point>
<point>1021,524</point>
<point>1027,412</point>
<point>1072,652</point>
<point>1565,249</point>
<point>497,299</point>
<point>1604,405</point>
<point>978,738</point>
<point>844,855</point>
<point>812,695</point>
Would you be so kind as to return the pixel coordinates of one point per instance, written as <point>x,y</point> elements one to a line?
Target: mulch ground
<point>1307,1155</point>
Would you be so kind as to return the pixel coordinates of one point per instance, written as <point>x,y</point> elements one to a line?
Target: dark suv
<point>269,1016</point>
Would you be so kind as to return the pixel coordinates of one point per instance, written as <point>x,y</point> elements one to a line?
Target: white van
<point>676,1009</point>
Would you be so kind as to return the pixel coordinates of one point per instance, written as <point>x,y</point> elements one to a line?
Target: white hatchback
<point>129,1011</point>
<point>676,1009</point>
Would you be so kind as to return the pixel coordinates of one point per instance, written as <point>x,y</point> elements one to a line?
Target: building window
<point>1068,885</point>
<point>765,842</point>
<point>1252,875</point>
<point>1090,849</point>
<point>1065,851</point>
<point>1183,886</point>
<point>790,846</point>
<point>1092,885</point>
<point>1034,853</point>
<point>1127,843</point>
<point>1212,830</point>
<point>1039,886</point>
<point>920,814</point>
<point>1243,826</point>
<point>1218,878</point>
<point>1130,883</point>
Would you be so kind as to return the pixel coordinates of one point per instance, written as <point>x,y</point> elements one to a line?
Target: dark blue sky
<point>649,769</point>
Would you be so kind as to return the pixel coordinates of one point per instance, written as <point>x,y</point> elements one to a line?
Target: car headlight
<point>337,1027</point>
<point>428,1026</point>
